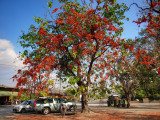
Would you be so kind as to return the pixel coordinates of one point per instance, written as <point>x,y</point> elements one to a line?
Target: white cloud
<point>9,62</point>
<point>8,56</point>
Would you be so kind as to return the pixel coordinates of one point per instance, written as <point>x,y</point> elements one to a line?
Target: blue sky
<point>17,15</point>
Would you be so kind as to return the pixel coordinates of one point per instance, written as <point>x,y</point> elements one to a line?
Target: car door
<point>51,105</point>
<point>28,106</point>
<point>57,104</point>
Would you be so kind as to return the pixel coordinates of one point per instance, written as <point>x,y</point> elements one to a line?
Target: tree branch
<point>143,9</point>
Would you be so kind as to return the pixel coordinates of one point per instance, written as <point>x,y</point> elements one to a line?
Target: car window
<point>44,101</point>
<point>24,103</point>
<point>50,100</point>
<point>57,100</point>
<point>29,102</point>
<point>60,100</point>
<point>71,100</point>
<point>63,100</point>
<point>41,101</point>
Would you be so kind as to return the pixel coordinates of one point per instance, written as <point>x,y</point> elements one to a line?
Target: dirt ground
<point>100,112</point>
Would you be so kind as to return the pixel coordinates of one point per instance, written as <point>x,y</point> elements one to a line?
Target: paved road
<point>6,110</point>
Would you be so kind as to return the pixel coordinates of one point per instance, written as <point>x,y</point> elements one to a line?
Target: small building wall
<point>4,100</point>
<point>5,93</point>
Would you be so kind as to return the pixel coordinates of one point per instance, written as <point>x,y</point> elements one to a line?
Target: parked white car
<point>26,106</point>
<point>47,105</point>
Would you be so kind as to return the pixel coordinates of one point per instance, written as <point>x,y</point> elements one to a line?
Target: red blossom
<point>55,10</point>
<point>158,70</point>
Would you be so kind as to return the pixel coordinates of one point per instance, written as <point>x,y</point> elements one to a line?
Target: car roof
<point>42,97</point>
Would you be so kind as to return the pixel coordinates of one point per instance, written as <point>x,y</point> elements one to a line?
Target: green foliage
<point>141,94</point>
<point>61,1</point>
<point>72,91</point>
<point>26,96</point>
<point>97,96</point>
<point>148,81</point>
<point>116,11</point>
<point>43,93</point>
<point>49,3</point>
<point>73,80</point>
<point>11,97</point>
<point>51,82</point>
<point>38,20</point>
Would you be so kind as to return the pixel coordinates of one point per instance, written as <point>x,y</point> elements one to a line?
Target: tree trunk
<point>84,101</point>
<point>128,96</point>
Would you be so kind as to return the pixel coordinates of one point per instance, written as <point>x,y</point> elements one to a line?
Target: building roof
<point>57,91</point>
<point>6,88</point>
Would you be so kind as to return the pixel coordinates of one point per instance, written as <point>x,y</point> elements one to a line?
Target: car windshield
<point>25,103</point>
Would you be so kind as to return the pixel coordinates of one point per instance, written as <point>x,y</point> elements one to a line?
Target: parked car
<point>26,106</point>
<point>111,100</point>
<point>47,105</point>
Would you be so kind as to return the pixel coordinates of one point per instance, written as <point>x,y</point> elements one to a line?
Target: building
<point>6,93</point>
<point>57,93</point>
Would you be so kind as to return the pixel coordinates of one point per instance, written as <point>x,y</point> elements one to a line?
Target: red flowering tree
<point>148,54</point>
<point>150,16</point>
<point>124,68</point>
<point>76,43</point>
<point>31,83</point>
<point>131,54</point>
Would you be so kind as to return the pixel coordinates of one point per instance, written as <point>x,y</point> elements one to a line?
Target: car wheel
<point>72,108</point>
<point>14,111</point>
<point>45,111</point>
<point>23,110</point>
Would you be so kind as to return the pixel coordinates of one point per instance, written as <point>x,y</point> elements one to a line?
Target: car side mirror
<point>28,103</point>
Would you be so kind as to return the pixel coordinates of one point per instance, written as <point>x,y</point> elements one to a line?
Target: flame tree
<point>151,16</point>
<point>76,43</point>
<point>135,54</point>
<point>149,62</point>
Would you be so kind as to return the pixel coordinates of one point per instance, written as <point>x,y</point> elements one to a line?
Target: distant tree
<point>149,62</point>
<point>99,90</point>
<point>148,80</point>
<point>151,16</point>
<point>124,70</point>
<point>103,90</point>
